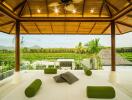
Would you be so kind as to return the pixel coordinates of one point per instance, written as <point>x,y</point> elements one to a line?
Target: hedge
<point>50,70</point>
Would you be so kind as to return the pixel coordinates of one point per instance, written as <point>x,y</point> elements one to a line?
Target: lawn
<point>43,56</point>
<point>52,56</point>
<point>127,55</point>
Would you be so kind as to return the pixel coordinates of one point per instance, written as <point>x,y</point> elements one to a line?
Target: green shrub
<point>88,72</point>
<point>105,92</point>
<point>78,65</point>
<point>40,67</point>
<point>50,70</point>
<point>58,67</point>
<point>33,88</point>
<point>51,66</point>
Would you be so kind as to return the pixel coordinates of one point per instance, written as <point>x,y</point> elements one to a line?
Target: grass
<point>43,56</point>
<point>127,56</point>
<point>52,56</point>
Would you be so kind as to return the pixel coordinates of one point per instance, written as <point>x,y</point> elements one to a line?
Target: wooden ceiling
<point>65,22</point>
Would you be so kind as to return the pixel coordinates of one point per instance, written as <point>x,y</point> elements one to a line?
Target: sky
<point>65,41</point>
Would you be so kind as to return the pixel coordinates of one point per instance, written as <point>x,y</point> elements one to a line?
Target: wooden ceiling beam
<point>66,19</point>
<point>10,22</point>
<point>123,23</point>
<point>105,28</point>
<point>19,5</point>
<point>123,12</point>
<point>84,2</point>
<point>30,11</point>
<point>23,6</point>
<point>24,28</point>
<point>12,28</point>
<point>92,28</point>
<point>8,12</point>
<point>51,27</point>
<point>1,1</point>
<point>37,27</point>
<point>129,1</point>
<point>102,5</point>
<point>114,7</point>
<point>78,27</point>
<point>47,8</point>
<point>108,9</point>
<point>118,28</point>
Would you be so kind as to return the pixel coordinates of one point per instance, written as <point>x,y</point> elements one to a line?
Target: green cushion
<point>104,92</point>
<point>50,70</point>
<point>33,88</point>
<point>88,72</point>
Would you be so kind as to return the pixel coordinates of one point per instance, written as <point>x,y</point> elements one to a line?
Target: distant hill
<point>35,47</point>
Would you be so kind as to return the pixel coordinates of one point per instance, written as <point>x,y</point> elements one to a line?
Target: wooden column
<point>17,46</point>
<point>113,58</point>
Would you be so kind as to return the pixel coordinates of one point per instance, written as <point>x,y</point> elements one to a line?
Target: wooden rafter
<point>29,8</point>
<point>100,12</point>
<point>78,27</point>
<point>122,12</point>
<point>92,28</point>
<point>23,7</point>
<point>114,7</point>
<point>129,15</point>
<point>7,23</point>
<point>1,1</point>
<point>12,28</point>
<point>8,12</point>
<point>84,2</point>
<point>123,23</point>
<point>129,1</point>
<point>47,8</point>
<point>48,15</point>
<point>118,28</point>
<point>19,5</point>
<point>37,27</point>
<point>106,28</point>
<point>108,10</point>
<point>51,27</point>
<point>24,28</point>
<point>66,19</point>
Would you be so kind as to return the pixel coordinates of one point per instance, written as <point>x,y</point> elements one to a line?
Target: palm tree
<point>93,47</point>
<point>80,48</point>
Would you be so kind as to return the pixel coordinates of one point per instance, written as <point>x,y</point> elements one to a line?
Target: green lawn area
<point>52,56</point>
<point>42,56</point>
<point>128,56</point>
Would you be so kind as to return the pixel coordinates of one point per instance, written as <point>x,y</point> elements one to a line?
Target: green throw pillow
<point>33,88</point>
<point>104,92</point>
<point>88,72</point>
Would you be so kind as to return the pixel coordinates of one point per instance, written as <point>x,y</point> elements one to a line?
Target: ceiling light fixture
<point>38,10</point>
<point>74,11</point>
<point>56,10</point>
<point>92,10</point>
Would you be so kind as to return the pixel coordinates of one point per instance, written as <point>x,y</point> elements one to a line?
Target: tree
<point>93,47</point>
<point>80,48</point>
